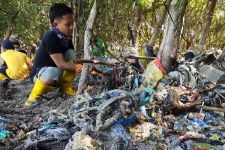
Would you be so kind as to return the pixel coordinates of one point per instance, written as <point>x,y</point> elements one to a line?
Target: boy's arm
<point>61,63</point>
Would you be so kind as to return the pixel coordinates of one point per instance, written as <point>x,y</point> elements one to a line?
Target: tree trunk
<point>10,25</point>
<point>75,27</point>
<point>172,31</point>
<point>137,25</point>
<point>160,22</point>
<point>205,31</point>
<point>87,38</point>
<point>9,28</point>
<point>132,42</point>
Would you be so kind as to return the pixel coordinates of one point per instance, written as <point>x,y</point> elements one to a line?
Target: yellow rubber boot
<point>2,77</point>
<point>66,83</point>
<point>38,90</point>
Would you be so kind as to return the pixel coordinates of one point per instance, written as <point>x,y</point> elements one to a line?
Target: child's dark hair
<point>58,10</point>
<point>16,43</point>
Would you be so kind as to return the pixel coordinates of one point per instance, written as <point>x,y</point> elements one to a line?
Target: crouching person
<point>14,64</point>
<point>52,64</point>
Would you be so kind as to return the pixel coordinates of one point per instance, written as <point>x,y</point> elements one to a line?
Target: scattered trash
<point>181,110</point>
<point>120,136</point>
<point>3,134</point>
<point>191,135</point>
<point>58,133</point>
<point>153,73</point>
<point>146,96</point>
<point>142,131</point>
<point>2,118</point>
<point>81,141</point>
<point>132,120</point>
<point>200,122</point>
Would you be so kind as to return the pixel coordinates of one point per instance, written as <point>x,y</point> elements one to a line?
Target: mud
<point>26,120</point>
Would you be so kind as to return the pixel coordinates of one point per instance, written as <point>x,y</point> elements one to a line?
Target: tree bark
<point>137,24</point>
<point>160,22</point>
<point>172,31</point>
<point>75,27</point>
<point>132,42</point>
<point>9,28</point>
<point>10,25</point>
<point>87,38</point>
<point>205,31</point>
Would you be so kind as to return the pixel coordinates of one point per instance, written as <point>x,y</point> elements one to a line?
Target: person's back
<point>18,64</point>
<point>15,65</point>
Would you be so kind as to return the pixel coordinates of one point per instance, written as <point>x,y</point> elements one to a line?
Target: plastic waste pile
<point>127,109</point>
<point>182,109</point>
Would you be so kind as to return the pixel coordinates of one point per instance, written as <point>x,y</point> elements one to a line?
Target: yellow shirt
<point>18,64</point>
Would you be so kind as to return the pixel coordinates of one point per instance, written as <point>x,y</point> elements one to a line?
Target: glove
<point>78,68</point>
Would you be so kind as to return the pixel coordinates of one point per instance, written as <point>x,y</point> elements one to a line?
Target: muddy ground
<point>25,120</point>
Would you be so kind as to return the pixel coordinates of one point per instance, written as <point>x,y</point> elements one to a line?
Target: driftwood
<point>140,57</point>
<point>83,61</point>
<point>87,38</point>
<point>211,108</point>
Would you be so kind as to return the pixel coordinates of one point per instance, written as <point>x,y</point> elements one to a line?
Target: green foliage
<point>31,21</point>
<point>195,18</point>
<point>146,3</point>
<point>113,18</point>
<point>99,48</point>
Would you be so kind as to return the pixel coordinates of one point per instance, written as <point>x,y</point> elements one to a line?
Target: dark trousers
<point>3,70</point>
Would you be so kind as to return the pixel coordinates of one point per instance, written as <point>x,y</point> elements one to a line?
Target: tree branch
<point>87,38</point>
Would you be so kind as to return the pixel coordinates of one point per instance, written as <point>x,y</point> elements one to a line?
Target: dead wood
<point>87,39</point>
<point>211,108</point>
<point>140,57</point>
<point>82,61</point>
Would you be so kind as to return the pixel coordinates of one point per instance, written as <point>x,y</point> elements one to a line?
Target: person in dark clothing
<point>52,63</point>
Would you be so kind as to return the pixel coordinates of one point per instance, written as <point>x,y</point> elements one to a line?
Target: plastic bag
<point>153,73</point>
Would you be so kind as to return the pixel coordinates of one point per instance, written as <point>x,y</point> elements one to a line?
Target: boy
<point>14,65</point>
<point>52,61</point>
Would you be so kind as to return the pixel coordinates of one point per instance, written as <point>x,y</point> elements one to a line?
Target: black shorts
<point>3,71</point>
